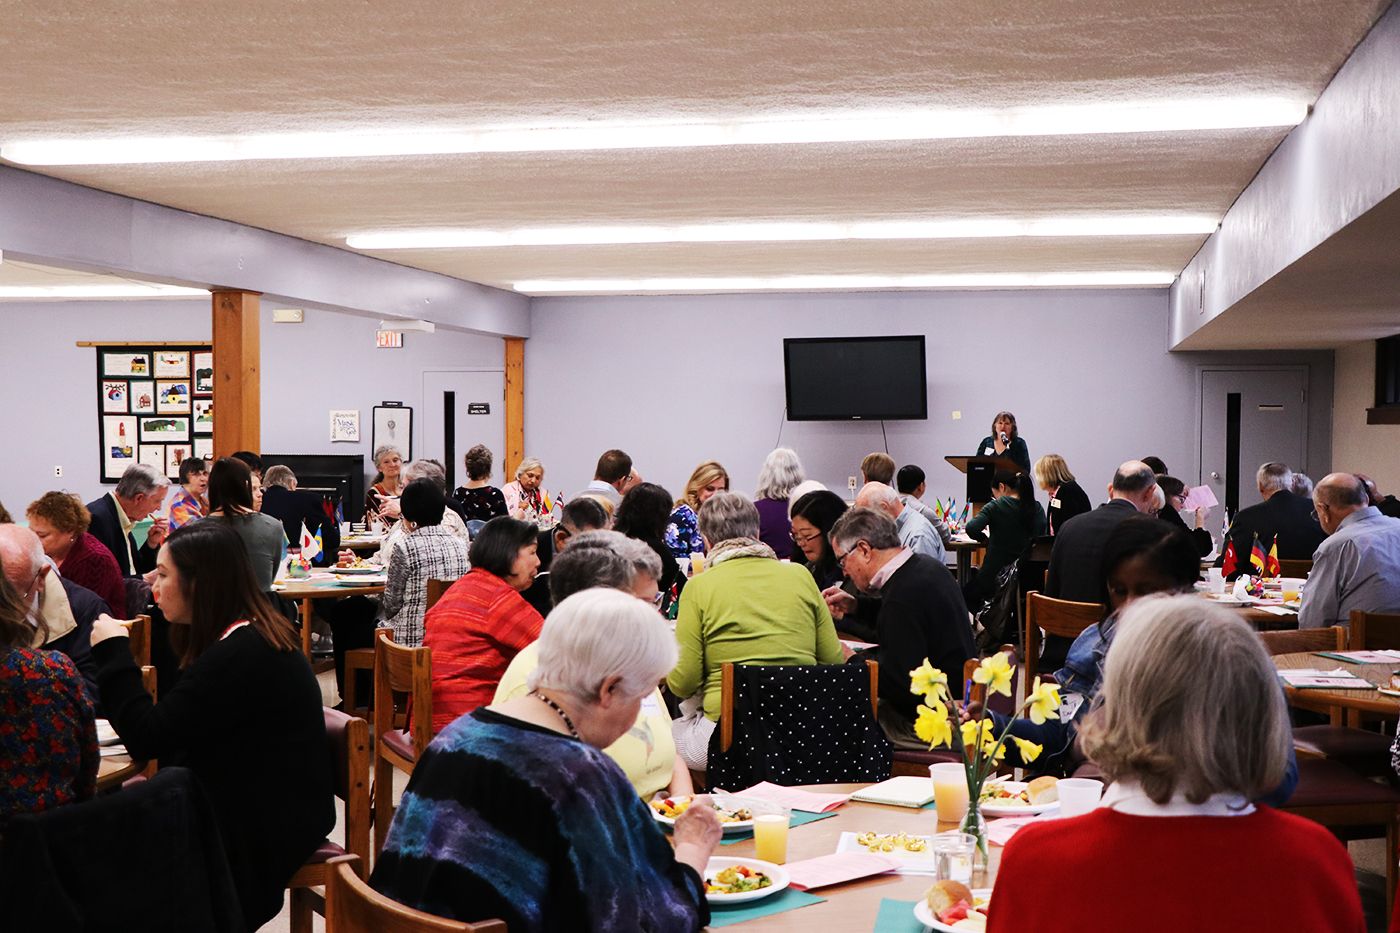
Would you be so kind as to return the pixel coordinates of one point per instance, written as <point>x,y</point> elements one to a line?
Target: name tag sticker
<point>1054,503</point>
<point>650,704</point>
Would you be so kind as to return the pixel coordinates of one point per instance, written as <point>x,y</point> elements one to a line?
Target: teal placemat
<point>799,818</point>
<point>897,917</point>
<point>787,899</point>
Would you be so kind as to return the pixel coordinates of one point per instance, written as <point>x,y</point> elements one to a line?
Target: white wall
<point>1360,447</point>
<point>48,384</point>
<point>677,380</point>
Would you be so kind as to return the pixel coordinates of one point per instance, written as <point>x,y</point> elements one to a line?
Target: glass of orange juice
<point>770,832</point>
<point>949,791</point>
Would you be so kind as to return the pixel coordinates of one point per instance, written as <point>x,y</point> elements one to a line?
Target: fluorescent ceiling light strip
<point>850,282</point>
<point>786,232</point>
<point>15,292</point>
<point>836,127</point>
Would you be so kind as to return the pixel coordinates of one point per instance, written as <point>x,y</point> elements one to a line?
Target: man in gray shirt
<point>914,530</point>
<point>1358,565</point>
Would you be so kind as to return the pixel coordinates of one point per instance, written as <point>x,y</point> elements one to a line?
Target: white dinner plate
<point>1003,809</point>
<point>926,917</point>
<point>362,581</point>
<point>351,571</point>
<point>738,826</point>
<point>718,863</point>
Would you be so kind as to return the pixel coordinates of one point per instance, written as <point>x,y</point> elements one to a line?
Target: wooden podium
<point>979,471</point>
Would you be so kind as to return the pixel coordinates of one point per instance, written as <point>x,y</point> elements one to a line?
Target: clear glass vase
<point>975,825</point>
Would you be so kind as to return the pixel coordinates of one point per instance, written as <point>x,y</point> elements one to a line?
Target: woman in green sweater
<point>747,607</point>
<point>1013,518</point>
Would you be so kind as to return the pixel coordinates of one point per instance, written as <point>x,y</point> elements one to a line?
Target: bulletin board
<point>155,405</point>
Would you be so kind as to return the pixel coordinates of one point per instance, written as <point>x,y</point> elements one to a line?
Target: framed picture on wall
<point>203,373</point>
<point>204,447</point>
<point>115,395</point>
<point>125,363</point>
<point>152,455</point>
<point>174,455</point>
<point>393,425</point>
<point>165,429</point>
<point>203,416</point>
<point>118,445</point>
<point>173,363</point>
<point>173,397</point>
<point>142,393</point>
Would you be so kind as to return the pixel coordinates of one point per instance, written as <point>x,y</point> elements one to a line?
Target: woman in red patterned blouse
<point>482,621</point>
<point>61,521</point>
<point>48,740</point>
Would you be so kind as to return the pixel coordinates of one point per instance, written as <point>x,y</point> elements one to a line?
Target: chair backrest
<point>1061,617</point>
<point>1294,568</point>
<point>998,703</point>
<point>1374,631</point>
<point>1289,641</point>
<point>726,700</point>
<point>138,639</point>
<point>474,527</point>
<point>148,682</point>
<point>352,906</point>
<point>435,590</point>
<point>348,737</point>
<point>403,673</point>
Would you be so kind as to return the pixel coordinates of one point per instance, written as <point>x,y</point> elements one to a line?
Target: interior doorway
<point>462,408</point>
<point>1250,416</point>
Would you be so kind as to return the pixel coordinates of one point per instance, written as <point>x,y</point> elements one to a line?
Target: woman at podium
<point>1004,441</point>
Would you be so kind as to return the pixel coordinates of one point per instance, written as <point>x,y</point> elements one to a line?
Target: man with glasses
<point>65,609</point>
<point>580,515</point>
<point>1282,514</point>
<point>920,614</point>
<point>1358,565</point>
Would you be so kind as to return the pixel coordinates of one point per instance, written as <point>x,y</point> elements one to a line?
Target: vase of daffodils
<point>980,747</point>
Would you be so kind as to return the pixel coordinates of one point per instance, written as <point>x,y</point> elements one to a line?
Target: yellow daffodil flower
<point>1044,701</point>
<point>926,681</point>
<point>933,725</point>
<point>972,735</point>
<point>1029,750</point>
<point>996,672</point>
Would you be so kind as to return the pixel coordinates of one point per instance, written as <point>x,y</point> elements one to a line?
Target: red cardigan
<point>1107,872</point>
<point>89,564</point>
<point>475,630</point>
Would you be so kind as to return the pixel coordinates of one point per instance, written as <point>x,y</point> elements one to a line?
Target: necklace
<point>558,709</point>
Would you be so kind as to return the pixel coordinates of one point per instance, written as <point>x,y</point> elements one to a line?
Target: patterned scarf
<point>738,547</point>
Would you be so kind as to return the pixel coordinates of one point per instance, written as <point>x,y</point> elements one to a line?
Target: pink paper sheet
<point>838,868</point>
<point>792,798</point>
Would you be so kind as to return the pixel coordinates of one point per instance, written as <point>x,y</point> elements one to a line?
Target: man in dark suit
<point>139,492</point>
<point>1075,573</point>
<point>580,515</point>
<point>1282,513</point>
<point>296,508</point>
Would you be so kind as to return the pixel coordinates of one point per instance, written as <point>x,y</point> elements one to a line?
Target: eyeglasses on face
<point>804,539</point>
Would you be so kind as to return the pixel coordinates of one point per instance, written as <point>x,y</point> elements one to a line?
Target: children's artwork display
<point>151,402</point>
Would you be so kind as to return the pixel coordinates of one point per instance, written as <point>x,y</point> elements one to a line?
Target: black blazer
<point>1199,536</point>
<point>1075,572</point>
<point>1068,501</point>
<point>107,528</point>
<point>1282,514</point>
<point>295,507</point>
<point>1016,450</point>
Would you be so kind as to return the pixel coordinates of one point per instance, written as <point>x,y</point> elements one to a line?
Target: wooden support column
<point>237,379</point>
<point>515,404</point>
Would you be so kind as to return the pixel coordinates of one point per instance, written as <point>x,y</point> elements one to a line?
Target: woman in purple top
<point>781,472</point>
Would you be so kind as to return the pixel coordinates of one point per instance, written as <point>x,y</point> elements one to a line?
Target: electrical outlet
<point>851,482</point>
<point>957,416</point>
<point>58,471</point>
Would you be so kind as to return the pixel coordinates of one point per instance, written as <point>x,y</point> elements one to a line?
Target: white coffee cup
<point>1215,578</point>
<point>1079,795</point>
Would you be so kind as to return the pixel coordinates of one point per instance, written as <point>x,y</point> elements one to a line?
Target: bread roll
<point>1043,790</point>
<point>945,894</point>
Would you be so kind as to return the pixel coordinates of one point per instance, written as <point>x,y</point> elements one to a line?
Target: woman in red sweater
<point>61,521</point>
<point>481,623</point>
<point>1176,844</point>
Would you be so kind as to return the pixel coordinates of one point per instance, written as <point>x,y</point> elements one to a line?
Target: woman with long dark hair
<point>813,516</point>
<point>644,514</point>
<point>1013,517</point>
<point>231,502</point>
<point>245,715</point>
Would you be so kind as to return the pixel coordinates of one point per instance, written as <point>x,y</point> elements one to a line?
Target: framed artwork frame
<point>392,424</point>
<point>172,364</point>
<point>173,397</point>
<point>116,396</point>
<point>203,415</point>
<point>165,429</point>
<point>203,373</point>
<point>118,445</point>
<point>204,447</point>
<point>143,396</point>
<point>145,405</point>
<point>125,363</point>
<point>152,455</point>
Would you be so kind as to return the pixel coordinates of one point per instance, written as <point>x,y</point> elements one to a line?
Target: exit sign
<point>388,339</point>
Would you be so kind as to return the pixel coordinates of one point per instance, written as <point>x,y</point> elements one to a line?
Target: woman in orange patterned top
<point>190,504</point>
<point>482,622</point>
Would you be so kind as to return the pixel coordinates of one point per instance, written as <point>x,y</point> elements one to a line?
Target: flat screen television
<point>855,378</point>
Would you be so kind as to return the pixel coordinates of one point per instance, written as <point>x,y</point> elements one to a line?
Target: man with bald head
<point>66,609</point>
<point>1358,565</point>
<point>913,529</point>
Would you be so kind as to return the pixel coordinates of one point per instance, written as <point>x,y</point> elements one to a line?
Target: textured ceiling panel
<point>105,68</point>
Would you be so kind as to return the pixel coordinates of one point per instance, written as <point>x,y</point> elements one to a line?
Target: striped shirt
<point>428,553</point>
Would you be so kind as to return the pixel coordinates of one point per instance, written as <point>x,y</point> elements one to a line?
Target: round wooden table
<point>112,770</point>
<point>854,905</point>
<point>307,590</point>
<point>1366,701</point>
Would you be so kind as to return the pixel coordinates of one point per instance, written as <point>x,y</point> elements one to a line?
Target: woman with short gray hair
<point>747,607</point>
<point>529,773</point>
<point>781,472</point>
<point>388,480</point>
<point>1190,727</point>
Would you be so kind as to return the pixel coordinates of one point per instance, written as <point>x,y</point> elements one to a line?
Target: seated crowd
<point>578,656</point>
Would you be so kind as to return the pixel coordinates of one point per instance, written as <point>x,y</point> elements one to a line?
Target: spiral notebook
<point>908,791</point>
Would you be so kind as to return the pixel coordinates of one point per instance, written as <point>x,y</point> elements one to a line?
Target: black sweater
<point>247,720</point>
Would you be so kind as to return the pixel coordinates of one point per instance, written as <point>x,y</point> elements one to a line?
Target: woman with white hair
<point>525,497</point>
<point>781,472</point>
<point>515,813</point>
<point>1191,727</point>
<point>746,608</point>
<point>388,479</point>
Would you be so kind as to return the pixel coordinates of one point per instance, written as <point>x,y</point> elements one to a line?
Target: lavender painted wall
<point>677,380</point>
<point>48,416</point>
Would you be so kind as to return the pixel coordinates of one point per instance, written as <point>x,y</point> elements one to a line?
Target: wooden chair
<point>1374,631</point>
<point>148,681</point>
<point>726,701</point>
<point>138,639</point>
<point>362,659</point>
<point>1294,568</point>
<point>435,590</point>
<point>399,673</point>
<point>1055,617</point>
<point>352,906</point>
<point>914,762</point>
<point>349,743</point>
